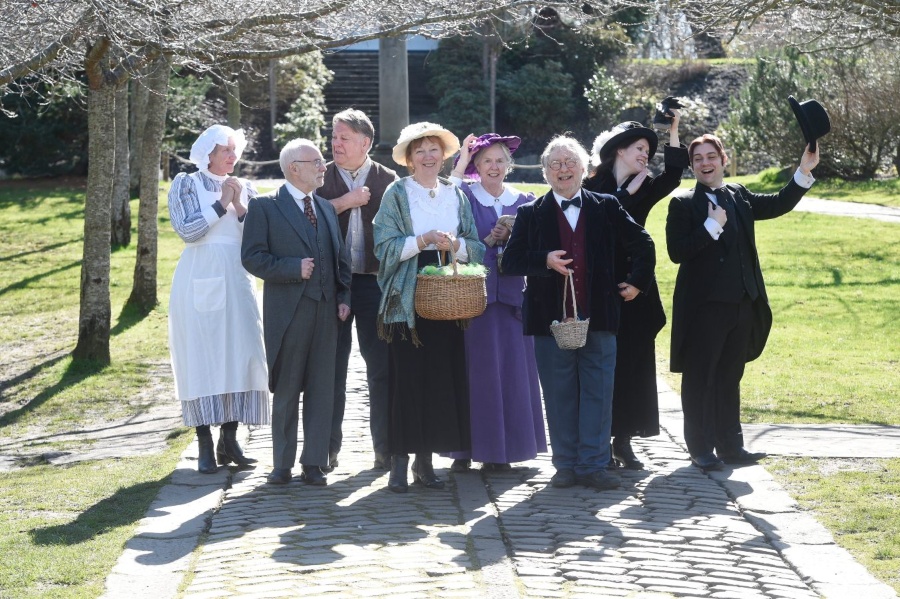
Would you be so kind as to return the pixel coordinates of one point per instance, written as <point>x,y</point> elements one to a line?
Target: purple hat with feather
<point>485,141</point>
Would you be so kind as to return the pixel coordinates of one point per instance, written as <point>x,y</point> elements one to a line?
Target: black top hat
<point>813,119</point>
<point>607,143</point>
<point>664,117</point>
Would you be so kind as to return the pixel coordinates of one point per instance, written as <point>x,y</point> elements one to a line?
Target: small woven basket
<point>450,297</point>
<point>571,334</point>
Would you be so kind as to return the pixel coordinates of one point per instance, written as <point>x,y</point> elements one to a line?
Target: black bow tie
<point>573,202</point>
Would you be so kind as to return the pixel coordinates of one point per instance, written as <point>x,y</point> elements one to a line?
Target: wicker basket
<point>571,334</point>
<point>450,297</point>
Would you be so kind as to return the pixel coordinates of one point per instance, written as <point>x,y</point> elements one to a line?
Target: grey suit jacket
<point>274,245</point>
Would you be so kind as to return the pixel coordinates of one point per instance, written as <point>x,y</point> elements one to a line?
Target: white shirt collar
<point>296,193</point>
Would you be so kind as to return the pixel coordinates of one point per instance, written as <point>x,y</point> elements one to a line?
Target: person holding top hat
<point>504,394</point>
<point>720,312</point>
<point>215,331</point>
<point>621,156</point>
<point>428,389</point>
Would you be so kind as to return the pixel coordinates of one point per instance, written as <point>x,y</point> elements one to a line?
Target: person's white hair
<point>209,139</point>
<point>291,151</point>
<point>568,143</point>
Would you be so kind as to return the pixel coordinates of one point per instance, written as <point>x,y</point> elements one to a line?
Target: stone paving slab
<point>670,531</point>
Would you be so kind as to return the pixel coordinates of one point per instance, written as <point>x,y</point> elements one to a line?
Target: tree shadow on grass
<point>130,315</point>
<point>33,279</point>
<point>76,372</point>
<point>41,250</point>
<point>124,507</point>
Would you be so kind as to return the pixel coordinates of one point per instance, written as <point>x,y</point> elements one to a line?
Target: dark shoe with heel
<point>397,481</point>
<point>623,454</point>
<point>423,472</point>
<point>206,458</point>
<point>228,449</point>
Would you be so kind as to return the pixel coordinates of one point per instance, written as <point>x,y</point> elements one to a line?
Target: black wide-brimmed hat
<point>622,134</point>
<point>813,119</point>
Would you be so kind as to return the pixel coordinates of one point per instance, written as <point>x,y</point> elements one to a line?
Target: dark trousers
<point>365,296</point>
<point>305,365</point>
<point>716,352</point>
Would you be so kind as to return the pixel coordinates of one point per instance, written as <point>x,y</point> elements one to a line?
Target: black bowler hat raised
<point>813,119</point>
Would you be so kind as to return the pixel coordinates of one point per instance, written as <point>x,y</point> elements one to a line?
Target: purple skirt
<point>507,421</point>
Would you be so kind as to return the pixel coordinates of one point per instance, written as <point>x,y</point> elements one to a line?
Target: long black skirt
<point>635,396</point>
<point>429,390</point>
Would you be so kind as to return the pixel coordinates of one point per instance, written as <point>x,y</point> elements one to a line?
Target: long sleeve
<point>189,219</point>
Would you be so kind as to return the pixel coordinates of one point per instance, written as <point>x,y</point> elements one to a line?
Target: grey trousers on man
<point>305,365</point>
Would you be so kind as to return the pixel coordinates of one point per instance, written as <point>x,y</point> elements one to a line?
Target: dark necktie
<point>576,201</point>
<point>308,211</point>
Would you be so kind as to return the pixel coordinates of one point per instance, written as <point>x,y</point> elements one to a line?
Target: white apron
<point>215,329</point>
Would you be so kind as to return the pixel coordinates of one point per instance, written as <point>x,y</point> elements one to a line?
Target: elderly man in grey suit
<point>292,242</point>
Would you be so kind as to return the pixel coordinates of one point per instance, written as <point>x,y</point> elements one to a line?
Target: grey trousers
<point>305,364</point>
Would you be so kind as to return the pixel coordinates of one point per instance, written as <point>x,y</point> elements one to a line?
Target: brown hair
<point>414,145</point>
<point>708,138</point>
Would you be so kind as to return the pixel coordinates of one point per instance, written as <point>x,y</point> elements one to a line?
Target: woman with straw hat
<point>421,215</point>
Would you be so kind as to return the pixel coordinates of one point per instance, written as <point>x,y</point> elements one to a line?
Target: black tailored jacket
<point>701,257</point>
<point>536,234</point>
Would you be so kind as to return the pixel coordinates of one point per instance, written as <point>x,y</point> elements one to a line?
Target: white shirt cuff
<point>410,248</point>
<point>462,254</point>
<point>805,181</point>
<point>713,227</point>
<point>455,180</point>
<point>209,214</point>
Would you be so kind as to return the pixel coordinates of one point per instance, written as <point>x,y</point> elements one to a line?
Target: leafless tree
<point>808,24</point>
<point>112,40</point>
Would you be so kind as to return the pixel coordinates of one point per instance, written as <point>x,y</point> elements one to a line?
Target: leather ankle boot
<point>206,459</point>
<point>624,454</point>
<point>397,481</point>
<point>423,472</point>
<point>229,450</point>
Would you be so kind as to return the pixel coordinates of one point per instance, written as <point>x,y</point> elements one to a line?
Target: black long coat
<point>635,398</point>
<point>700,258</point>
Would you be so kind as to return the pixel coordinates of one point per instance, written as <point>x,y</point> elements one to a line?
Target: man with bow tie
<point>720,312</point>
<point>292,241</point>
<point>572,230</point>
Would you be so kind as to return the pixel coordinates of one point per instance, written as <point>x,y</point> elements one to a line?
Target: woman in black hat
<point>621,156</point>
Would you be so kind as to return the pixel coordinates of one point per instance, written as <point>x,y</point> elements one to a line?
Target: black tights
<point>204,431</point>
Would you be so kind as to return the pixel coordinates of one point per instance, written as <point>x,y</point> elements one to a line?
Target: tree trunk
<point>273,99</point>
<point>137,116</point>
<point>143,290</point>
<point>120,232</point>
<point>94,316</point>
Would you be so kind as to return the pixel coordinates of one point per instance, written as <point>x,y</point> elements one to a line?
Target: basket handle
<point>571,283</point>
<point>451,258</point>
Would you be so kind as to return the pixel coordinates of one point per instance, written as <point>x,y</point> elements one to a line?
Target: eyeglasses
<point>318,162</point>
<point>558,164</point>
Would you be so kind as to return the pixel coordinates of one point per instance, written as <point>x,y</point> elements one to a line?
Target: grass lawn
<point>833,357</point>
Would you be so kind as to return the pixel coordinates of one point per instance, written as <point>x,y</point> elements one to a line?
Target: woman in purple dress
<point>505,399</point>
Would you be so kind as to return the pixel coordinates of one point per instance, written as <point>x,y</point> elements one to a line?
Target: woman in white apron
<point>215,330</point>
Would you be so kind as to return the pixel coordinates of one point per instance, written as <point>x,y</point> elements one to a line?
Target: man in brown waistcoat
<point>355,184</point>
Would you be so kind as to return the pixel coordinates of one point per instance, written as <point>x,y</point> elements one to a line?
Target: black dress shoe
<point>313,475</point>
<point>742,456</point>
<point>707,461</point>
<point>600,479</point>
<point>279,476</point>
<point>564,478</point>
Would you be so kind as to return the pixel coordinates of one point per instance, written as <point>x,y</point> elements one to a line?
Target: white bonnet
<point>216,135</point>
